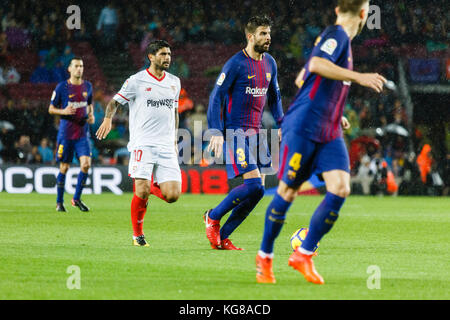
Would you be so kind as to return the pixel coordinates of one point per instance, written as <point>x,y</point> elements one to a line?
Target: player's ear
<point>336,10</point>
<point>362,14</point>
<point>248,35</point>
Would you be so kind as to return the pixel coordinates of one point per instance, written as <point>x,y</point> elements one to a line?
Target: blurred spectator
<point>424,161</point>
<point>52,58</point>
<point>107,24</point>
<point>45,151</point>
<point>185,104</point>
<point>59,73</point>
<point>8,153</point>
<point>35,156</point>
<point>11,75</point>
<point>67,56</point>
<point>179,68</point>
<point>24,149</point>
<point>41,74</point>
<point>365,175</point>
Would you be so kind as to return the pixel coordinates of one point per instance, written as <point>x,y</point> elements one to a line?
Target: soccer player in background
<point>152,96</point>
<point>312,139</point>
<point>246,82</point>
<point>72,100</point>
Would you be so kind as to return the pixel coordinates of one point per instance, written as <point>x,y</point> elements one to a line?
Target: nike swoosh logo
<point>251,76</point>
<point>71,95</point>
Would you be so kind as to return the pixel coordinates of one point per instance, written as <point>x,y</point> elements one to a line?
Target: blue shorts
<point>66,148</point>
<point>301,157</point>
<point>246,153</point>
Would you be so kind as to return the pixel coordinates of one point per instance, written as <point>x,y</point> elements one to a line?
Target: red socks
<point>156,190</point>
<point>138,210</point>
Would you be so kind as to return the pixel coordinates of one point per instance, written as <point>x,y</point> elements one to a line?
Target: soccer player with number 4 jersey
<point>152,96</point>
<point>312,139</point>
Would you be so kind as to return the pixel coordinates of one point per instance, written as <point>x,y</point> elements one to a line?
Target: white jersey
<point>153,103</point>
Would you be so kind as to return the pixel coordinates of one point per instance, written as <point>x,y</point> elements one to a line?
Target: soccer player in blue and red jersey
<point>312,139</point>
<point>248,80</point>
<point>72,100</point>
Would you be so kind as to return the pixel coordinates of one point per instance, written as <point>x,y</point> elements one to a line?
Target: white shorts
<point>148,161</point>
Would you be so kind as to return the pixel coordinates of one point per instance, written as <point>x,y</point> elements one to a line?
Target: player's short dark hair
<point>156,45</point>
<point>75,58</point>
<point>352,6</point>
<point>257,21</point>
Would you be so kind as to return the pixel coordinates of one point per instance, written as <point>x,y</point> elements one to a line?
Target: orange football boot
<point>212,230</point>
<point>264,272</point>
<point>304,264</point>
<point>226,244</point>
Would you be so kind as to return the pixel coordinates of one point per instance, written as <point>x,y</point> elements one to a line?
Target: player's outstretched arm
<point>106,125</point>
<point>329,70</point>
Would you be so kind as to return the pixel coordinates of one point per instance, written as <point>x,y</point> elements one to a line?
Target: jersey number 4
<point>294,163</point>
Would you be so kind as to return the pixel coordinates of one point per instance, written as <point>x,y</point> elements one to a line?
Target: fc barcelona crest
<point>268,76</point>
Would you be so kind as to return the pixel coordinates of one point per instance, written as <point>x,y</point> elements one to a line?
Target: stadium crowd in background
<point>115,25</point>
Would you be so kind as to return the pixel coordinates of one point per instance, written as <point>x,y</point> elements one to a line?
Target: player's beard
<point>260,48</point>
<point>162,66</point>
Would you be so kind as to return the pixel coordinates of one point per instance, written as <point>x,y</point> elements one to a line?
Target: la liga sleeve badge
<point>329,46</point>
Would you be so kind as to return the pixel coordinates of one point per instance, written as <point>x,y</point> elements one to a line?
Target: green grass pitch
<point>407,238</point>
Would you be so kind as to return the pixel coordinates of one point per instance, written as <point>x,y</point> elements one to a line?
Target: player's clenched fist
<point>69,110</point>
<point>104,129</point>
<point>372,80</point>
<point>216,145</point>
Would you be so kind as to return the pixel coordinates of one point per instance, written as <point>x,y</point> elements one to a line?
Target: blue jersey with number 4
<point>317,109</point>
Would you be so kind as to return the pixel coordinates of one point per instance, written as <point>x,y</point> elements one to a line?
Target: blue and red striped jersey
<point>79,97</point>
<point>317,108</point>
<point>241,91</point>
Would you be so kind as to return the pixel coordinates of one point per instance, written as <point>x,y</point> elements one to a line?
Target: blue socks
<point>322,220</point>
<point>241,212</point>
<point>275,216</point>
<point>82,177</point>
<point>60,182</point>
<point>250,188</point>
<point>243,199</point>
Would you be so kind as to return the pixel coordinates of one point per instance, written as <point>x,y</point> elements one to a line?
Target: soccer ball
<point>297,238</point>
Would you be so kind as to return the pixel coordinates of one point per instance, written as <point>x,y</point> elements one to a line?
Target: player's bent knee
<point>287,193</point>
<point>172,196</point>
<point>64,167</point>
<point>341,190</point>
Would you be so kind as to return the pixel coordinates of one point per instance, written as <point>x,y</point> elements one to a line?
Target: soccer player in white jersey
<point>152,96</point>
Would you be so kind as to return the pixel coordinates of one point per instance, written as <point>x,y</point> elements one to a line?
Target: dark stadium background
<point>411,48</point>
